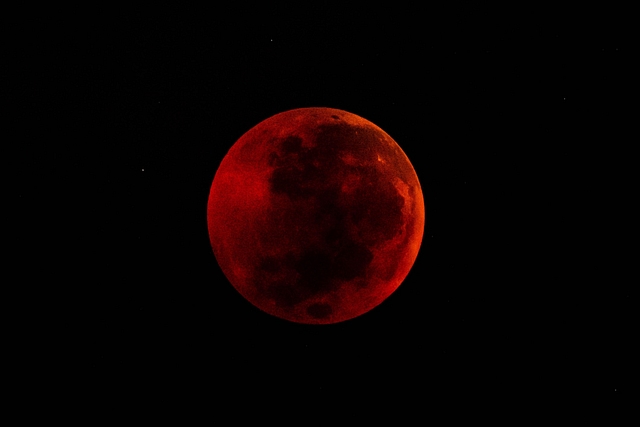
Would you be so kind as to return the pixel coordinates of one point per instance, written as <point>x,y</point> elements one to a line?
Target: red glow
<point>315,215</point>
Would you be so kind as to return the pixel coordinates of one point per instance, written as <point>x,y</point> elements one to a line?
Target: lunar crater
<point>319,310</point>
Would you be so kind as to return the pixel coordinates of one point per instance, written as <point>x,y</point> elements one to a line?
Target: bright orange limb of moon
<point>315,215</point>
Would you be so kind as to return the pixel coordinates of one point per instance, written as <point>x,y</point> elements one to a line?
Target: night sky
<point>516,129</point>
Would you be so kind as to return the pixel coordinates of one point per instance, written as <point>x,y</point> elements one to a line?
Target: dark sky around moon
<point>509,124</point>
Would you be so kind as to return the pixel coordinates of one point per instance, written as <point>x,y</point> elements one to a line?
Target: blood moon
<point>315,215</point>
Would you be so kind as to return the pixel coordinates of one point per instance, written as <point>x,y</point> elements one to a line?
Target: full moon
<point>315,215</point>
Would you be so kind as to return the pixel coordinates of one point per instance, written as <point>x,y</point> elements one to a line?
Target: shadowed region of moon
<point>315,215</point>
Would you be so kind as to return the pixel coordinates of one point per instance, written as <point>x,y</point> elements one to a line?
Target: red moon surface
<point>315,215</point>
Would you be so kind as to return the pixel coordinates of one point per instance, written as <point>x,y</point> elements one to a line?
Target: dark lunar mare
<point>353,225</point>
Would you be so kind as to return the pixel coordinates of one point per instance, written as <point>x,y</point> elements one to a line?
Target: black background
<point>515,122</point>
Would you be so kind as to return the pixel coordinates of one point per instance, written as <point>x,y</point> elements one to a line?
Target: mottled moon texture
<point>315,215</point>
